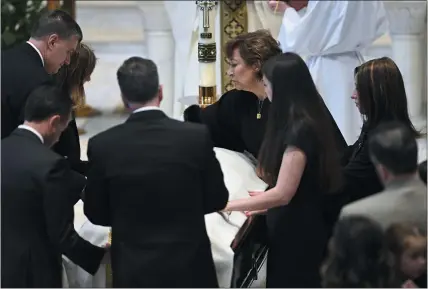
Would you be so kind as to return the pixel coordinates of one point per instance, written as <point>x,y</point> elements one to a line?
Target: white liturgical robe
<point>330,35</point>
<point>239,176</point>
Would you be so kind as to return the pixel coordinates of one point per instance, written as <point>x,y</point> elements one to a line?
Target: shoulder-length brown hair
<point>255,48</point>
<point>382,95</point>
<point>72,77</point>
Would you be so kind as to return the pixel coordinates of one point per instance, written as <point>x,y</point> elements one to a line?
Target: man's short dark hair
<point>56,22</point>
<point>46,101</point>
<point>138,79</point>
<point>394,146</point>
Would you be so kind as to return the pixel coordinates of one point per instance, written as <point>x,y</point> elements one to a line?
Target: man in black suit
<point>53,40</point>
<point>38,192</point>
<point>152,179</point>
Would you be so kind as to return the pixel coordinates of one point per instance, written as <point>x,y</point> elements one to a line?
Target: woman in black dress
<point>299,160</point>
<point>380,96</point>
<point>71,79</point>
<point>237,120</point>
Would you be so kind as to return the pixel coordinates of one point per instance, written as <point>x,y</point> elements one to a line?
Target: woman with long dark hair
<point>380,96</point>
<point>299,160</point>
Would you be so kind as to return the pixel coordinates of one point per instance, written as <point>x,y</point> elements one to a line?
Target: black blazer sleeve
<point>222,119</point>
<point>422,169</point>
<point>17,101</point>
<point>59,214</point>
<point>96,199</point>
<point>216,194</point>
<point>68,146</point>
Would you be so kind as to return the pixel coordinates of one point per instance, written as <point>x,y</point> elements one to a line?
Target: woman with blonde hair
<point>71,78</point>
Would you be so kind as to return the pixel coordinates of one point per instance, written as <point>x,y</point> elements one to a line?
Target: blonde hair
<point>72,77</point>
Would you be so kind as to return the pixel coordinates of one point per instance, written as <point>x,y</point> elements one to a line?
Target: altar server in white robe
<point>331,34</point>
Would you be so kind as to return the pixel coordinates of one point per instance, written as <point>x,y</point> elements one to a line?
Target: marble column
<point>114,29</point>
<point>160,48</point>
<point>407,30</point>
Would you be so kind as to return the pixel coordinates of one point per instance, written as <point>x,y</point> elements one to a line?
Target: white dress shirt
<point>29,128</point>
<point>38,51</point>
<point>145,108</point>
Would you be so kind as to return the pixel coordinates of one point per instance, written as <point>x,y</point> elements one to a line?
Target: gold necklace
<point>259,109</point>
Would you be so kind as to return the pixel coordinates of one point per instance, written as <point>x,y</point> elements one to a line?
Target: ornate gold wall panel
<point>233,22</point>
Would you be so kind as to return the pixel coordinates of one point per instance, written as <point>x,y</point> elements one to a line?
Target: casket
<point>251,250</point>
<point>238,243</point>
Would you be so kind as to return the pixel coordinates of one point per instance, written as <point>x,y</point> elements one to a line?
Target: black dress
<point>68,146</point>
<point>233,121</point>
<point>360,179</point>
<point>234,125</point>
<point>297,234</point>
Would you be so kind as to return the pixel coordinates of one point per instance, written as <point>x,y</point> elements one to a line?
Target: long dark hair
<point>358,256</point>
<point>296,102</point>
<point>382,94</point>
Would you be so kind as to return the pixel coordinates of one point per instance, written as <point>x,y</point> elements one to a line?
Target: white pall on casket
<point>239,176</point>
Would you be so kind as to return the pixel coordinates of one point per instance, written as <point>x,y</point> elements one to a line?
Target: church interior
<point>117,30</point>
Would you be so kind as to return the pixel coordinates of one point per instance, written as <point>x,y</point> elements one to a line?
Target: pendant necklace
<point>259,109</point>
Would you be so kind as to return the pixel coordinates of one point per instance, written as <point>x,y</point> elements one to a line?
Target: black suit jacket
<point>68,146</point>
<point>422,170</point>
<point>21,72</point>
<point>38,192</point>
<point>153,179</point>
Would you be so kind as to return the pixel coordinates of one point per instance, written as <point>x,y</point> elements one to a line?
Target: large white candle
<point>207,74</point>
<point>207,46</point>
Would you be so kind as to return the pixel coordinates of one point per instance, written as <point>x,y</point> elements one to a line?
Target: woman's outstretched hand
<point>226,209</point>
<point>254,213</point>
<point>253,193</point>
<point>258,212</point>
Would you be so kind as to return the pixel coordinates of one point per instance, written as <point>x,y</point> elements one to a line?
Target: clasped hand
<point>106,258</point>
<point>247,213</point>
